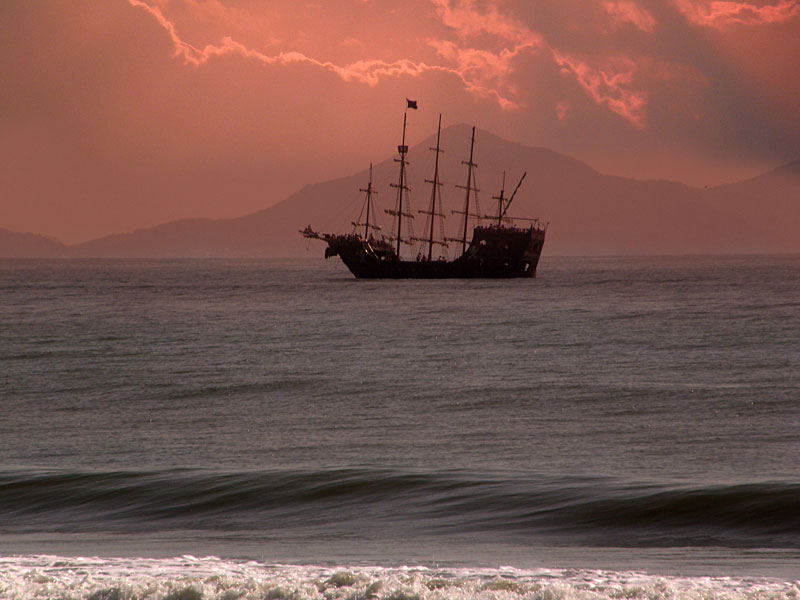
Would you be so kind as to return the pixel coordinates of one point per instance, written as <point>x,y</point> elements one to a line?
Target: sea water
<point>615,428</point>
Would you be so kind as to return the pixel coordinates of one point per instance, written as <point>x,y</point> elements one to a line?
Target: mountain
<point>29,245</point>
<point>589,212</point>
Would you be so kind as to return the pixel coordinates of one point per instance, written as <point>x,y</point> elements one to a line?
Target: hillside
<point>29,245</point>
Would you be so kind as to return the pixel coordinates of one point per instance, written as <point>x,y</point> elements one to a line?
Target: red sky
<point>128,113</point>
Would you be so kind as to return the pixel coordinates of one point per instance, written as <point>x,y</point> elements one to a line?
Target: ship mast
<point>401,186</point>
<point>469,187</point>
<point>500,201</point>
<point>511,199</point>
<point>435,185</point>
<point>368,204</point>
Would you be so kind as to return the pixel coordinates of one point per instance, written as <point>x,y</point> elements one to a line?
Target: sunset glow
<point>131,113</point>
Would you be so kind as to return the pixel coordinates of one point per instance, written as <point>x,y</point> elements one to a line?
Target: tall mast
<point>402,150</point>
<point>369,193</point>
<point>511,199</point>
<point>502,203</point>
<point>434,187</point>
<point>470,165</point>
<point>367,208</point>
<point>500,200</point>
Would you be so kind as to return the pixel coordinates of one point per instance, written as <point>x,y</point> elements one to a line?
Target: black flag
<point>412,104</point>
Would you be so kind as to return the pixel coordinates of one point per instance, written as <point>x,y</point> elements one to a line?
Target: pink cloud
<point>480,53</point>
<point>608,85</point>
<point>480,71</point>
<point>719,13</point>
<point>483,72</point>
<point>628,12</point>
<point>468,20</point>
<point>369,72</point>
<point>488,42</point>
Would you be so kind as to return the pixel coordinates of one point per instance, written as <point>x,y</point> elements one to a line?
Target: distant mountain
<point>589,213</point>
<point>29,245</point>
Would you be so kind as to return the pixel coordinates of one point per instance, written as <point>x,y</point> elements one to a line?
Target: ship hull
<point>495,252</point>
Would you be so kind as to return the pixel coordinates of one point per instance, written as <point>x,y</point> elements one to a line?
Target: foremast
<point>368,208</point>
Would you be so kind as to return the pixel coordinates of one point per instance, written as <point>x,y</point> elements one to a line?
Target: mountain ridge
<point>590,212</point>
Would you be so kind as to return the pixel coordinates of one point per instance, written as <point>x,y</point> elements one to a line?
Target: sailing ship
<point>499,248</point>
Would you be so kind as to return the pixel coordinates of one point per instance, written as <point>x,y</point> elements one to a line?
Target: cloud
<point>723,13</point>
<point>480,45</point>
<point>482,72</point>
<point>468,21</point>
<point>369,72</point>
<point>608,84</point>
<point>628,12</point>
<point>606,80</point>
<point>486,70</point>
<point>263,97</point>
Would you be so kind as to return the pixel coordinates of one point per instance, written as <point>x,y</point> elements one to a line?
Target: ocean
<point>617,428</point>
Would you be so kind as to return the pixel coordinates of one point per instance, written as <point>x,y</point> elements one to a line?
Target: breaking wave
<point>190,578</point>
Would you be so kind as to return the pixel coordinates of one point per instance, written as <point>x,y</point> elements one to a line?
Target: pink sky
<point>128,113</point>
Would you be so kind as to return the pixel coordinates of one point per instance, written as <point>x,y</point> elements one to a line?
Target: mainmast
<point>435,185</point>
<point>401,186</point>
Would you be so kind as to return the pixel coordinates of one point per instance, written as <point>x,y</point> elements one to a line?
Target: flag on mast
<point>412,104</point>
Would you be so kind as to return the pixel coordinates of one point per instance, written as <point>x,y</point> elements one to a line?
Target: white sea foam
<point>192,578</point>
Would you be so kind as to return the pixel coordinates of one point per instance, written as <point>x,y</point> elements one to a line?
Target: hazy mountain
<point>588,212</point>
<point>29,245</point>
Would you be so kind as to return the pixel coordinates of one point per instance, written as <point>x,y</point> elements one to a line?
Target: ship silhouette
<point>498,248</point>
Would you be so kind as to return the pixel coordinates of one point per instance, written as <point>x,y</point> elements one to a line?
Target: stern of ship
<point>499,251</point>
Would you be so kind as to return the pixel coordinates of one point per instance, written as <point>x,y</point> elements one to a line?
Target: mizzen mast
<point>502,203</point>
<point>511,199</point>
<point>470,187</point>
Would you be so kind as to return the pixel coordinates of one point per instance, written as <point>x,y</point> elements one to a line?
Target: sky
<point>123,114</point>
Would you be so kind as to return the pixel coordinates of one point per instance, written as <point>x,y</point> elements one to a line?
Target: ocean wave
<point>190,578</point>
<point>577,510</point>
